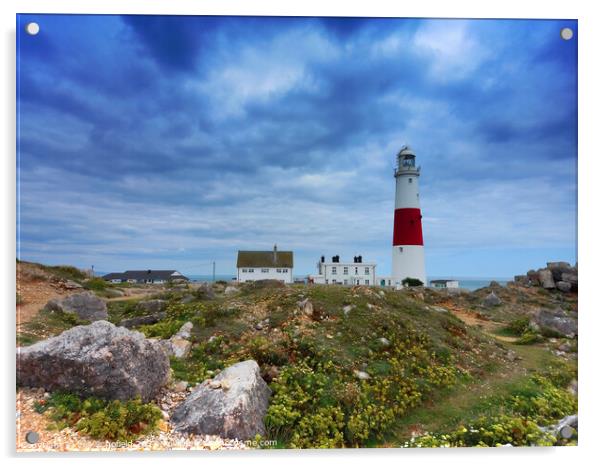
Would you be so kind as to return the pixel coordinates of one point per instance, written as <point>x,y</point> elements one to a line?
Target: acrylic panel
<point>295,232</point>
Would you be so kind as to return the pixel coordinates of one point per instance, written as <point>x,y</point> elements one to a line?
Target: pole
<point>213,271</point>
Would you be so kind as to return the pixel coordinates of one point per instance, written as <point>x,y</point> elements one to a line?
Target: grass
<point>472,398</point>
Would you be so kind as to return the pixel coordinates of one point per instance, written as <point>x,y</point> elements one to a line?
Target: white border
<point>590,38</point>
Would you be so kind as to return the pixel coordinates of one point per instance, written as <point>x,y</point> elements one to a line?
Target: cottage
<point>265,265</point>
<point>335,272</point>
<point>445,284</point>
<point>146,276</point>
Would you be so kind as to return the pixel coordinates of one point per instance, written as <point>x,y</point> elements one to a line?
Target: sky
<point>169,142</point>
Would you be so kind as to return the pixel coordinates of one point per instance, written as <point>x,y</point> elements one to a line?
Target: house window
<point>251,270</point>
<point>356,270</point>
<point>367,271</point>
<point>345,270</point>
<point>334,270</point>
<point>265,270</point>
<point>244,270</point>
<point>367,282</point>
<point>278,270</point>
<point>327,281</point>
<point>409,180</point>
<point>284,270</point>
<point>345,282</point>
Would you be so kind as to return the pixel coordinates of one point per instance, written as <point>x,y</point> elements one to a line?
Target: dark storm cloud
<point>184,138</point>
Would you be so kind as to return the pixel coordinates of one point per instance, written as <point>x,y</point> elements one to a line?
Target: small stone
<point>361,375</point>
<point>383,341</point>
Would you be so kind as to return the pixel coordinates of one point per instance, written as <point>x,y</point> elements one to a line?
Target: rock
<point>99,359</point>
<point>522,280</point>
<point>179,347</point>
<point>565,287</point>
<point>385,342</point>
<point>86,305</point>
<point>71,285</point>
<point>492,300</point>
<point>533,277</point>
<point>573,387</point>
<point>565,347</point>
<point>142,320</point>
<point>347,309</point>
<point>494,284</point>
<point>184,331</point>
<point>230,290</point>
<point>571,278</point>
<point>438,309</point>
<point>558,268</point>
<point>361,375</point>
<point>546,279</point>
<point>258,326</point>
<point>235,412</point>
<point>306,307</point>
<point>558,321</point>
<point>152,306</point>
<point>180,387</point>
<point>187,299</point>
<point>205,291</point>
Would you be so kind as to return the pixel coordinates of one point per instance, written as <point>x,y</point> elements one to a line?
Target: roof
<point>443,281</point>
<point>265,259</point>
<point>141,275</point>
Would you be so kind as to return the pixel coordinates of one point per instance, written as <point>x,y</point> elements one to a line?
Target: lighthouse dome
<point>406,151</point>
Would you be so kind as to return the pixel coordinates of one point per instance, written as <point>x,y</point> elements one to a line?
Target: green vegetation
<point>411,282</point>
<point>46,324</point>
<point>96,284</point>
<point>65,272</point>
<point>368,367</point>
<point>513,418</point>
<point>100,419</point>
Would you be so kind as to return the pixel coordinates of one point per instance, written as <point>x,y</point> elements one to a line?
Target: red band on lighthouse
<point>407,229</point>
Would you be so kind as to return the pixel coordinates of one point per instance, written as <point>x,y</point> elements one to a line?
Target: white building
<point>445,284</point>
<point>336,272</point>
<point>265,265</point>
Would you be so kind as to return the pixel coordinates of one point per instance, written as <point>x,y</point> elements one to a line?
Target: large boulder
<point>152,306</point>
<point>558,321</point>
<point>563,286</point>
<point>492,300</point>
<point>86,306</point>
<point>558,268</point>
<point>546,279</point>
<point>231,405</point>
<point>99,359</point>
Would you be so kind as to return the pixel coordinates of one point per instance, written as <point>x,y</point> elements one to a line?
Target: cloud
<point>173,141</point>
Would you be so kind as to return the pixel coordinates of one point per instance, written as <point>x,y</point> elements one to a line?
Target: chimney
<point>322,259</point>
<point>275,254</point>
<point>359,259</point>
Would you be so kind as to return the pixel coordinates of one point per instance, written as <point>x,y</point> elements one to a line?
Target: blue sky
<point>169,142</point>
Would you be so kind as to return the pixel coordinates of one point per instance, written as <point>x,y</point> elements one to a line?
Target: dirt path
<point>34,290</point>
<point>475,320</point>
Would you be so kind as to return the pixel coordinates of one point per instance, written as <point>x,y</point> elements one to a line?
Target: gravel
<point>164,439</point>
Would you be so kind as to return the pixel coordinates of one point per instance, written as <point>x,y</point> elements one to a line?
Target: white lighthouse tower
<point>408,246</point>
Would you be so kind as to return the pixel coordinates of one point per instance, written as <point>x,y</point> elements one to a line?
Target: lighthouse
<point>408,246</point>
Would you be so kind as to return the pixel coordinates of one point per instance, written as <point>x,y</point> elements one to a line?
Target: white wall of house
<point>346,273</point>
<point>247,274</point>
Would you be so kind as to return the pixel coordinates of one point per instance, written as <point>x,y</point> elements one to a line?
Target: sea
<point>469,283</point>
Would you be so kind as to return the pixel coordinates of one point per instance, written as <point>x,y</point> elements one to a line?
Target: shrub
<point>411,282</point>
<point>529,338</point>
<point>518,326</point>
<point>489,432</point>
<point>95,284</point>
<point>100,419</point>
